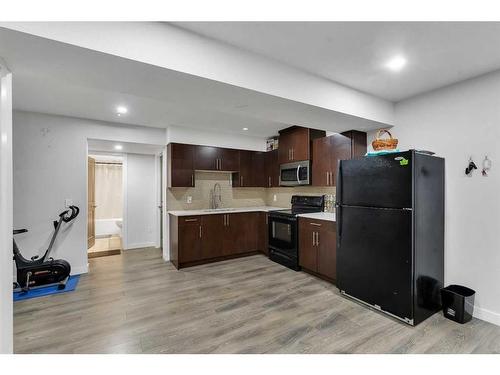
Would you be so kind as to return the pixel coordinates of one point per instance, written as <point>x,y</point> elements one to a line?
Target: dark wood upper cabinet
<point>295,143</point>
<point>272,169</point>
<point>259,176</point>
<point>322,162</point>
<point>229,159</point>
<point>180,165</point>
<point>358,142</point>
<point>206,158</point>
<point>244,177</point>
<point>327,152</point>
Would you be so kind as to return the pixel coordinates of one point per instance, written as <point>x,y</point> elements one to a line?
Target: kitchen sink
<point>219,209</point>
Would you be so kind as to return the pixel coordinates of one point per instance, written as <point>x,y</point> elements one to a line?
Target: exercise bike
<point>43,271</point>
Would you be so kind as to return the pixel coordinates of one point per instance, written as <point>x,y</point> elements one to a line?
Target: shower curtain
<point>108,191</point>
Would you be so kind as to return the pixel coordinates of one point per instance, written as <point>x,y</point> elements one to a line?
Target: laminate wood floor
<point>137,303</point>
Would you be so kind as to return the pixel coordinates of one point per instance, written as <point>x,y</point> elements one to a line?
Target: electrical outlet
<point>189,199</point>
<point>68,202</point>
<point>275,198</point>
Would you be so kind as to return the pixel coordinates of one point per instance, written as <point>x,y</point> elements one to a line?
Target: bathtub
<point>108,227</point>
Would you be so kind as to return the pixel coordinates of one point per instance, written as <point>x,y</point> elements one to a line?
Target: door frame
<point>6,212</point>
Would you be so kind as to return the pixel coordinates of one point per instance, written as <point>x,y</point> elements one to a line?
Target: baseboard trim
<point>140,245</point>
<point>487,315</point>
<point>80,270</point>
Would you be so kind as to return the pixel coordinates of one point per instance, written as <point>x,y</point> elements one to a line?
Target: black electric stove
<point>283,229</point>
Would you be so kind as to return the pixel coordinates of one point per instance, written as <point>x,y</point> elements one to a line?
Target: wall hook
<point>486,166</point>
<point>470,167</point>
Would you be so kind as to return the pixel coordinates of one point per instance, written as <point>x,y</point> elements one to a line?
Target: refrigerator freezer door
<point>374,257</point>
<point>379,181</point>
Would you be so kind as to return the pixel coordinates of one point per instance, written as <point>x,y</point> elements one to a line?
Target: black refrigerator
<point>390,233</point>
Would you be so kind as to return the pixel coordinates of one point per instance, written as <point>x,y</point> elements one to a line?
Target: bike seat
<point>18,231</point>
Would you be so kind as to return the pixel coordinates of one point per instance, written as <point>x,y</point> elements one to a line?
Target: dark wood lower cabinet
<point>263,233</point>
<point>318,247</point>
<point>199,239</point>
<point>211,239</point>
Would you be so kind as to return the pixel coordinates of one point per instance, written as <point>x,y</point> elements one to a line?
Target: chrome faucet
<point>216,196</point>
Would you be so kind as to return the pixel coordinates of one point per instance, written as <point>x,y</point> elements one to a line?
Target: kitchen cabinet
<point>252,170</point>
<point>317,247</point>
<point>263,233</point>
<point>180,167</point>
<point>208,158</point>
<point>358,143</point>
<point>185,239</point>
<point>244,177</point>
<point>211,239</point>
<point>199,239</point>
<point>295,143</point>
<point>272,169</point>
<point>259,176</point>
<point>240,233</point>
<point>327,151</point>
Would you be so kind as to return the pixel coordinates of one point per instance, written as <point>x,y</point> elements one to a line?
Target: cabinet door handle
<point>227,219</point>
<point>190,220</point>
<point>293,154</point>
<point>220,164</point>
<point>331,178</point>
<point>269,178</point>
<point>315,224</point>
<point>192,180</point>
<point>313,238</point>
<point>317,238</point>
<point>327,177</point>
<point>200,231</point>
<point>241,180</point>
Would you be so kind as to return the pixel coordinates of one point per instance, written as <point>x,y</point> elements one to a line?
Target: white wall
<point>210,138</point>
<point>50,164</point>
<point>457,122</point>
<point>141,201</point>
<point>6,330</point>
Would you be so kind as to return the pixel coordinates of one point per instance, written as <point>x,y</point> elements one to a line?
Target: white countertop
<point>224,211</point>
<point>319,216</point>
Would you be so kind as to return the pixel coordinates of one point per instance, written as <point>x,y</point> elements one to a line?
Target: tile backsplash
<point>235,197</point>
<point>284,194</point>
<point>205,181</point>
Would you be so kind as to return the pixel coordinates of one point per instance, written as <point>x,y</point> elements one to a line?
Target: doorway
<point>105,205</point>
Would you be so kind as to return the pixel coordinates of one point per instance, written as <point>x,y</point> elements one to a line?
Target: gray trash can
<point>458,303</point>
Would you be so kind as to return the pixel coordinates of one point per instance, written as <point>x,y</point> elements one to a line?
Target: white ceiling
<point>354,53</point>
<point>58,78</point>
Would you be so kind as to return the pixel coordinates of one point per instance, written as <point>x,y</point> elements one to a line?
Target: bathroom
<point>106,207</point>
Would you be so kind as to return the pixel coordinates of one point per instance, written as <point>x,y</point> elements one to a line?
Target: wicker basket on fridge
<point>380,144</point>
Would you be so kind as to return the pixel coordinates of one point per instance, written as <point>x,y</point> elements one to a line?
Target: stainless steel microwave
<point>295,174</point>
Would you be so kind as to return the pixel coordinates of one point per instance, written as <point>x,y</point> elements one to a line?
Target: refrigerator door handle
<point>338,216</point>
<point>339,183</point>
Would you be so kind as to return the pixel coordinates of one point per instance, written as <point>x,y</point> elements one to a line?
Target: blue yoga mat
<point>48,290</point>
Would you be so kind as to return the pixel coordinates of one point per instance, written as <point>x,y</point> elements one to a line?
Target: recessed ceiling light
<point>396,63</point>
<point>118,147</point>
<point>121,110</point>
<point>245,129</point>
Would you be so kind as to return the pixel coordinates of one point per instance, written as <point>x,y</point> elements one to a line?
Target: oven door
<point>293,174</point>
<point>283,235</point>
